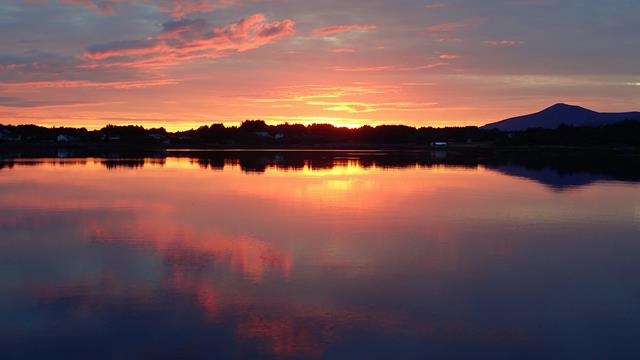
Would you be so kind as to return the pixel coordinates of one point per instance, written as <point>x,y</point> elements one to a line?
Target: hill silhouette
<point>561,114</point>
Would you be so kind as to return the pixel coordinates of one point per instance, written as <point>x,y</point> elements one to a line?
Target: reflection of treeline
<point>10,163</point>
<point>123,163</point>
<point>111,164</point>
<point>563,163</point>
<point>569,163</point>
<point>132,163</point>
<point>554,168</point>
<point>323,160</point>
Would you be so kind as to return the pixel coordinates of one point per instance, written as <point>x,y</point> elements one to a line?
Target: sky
<point>181,64</point>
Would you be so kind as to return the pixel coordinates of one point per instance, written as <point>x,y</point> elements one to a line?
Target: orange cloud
<point>366,107</point>
<point>332,30</point>
<point>184,40</point>
<point>180,8</point>
<point>342,50</point>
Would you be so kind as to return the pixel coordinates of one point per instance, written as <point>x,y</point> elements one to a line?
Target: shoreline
<point>301,147</point>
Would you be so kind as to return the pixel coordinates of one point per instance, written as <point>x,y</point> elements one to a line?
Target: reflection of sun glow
<point>268,249</point>
<point>341,185</point>
<point>348,168</point>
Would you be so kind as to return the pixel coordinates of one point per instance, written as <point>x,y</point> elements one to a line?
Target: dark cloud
<point>17,102</point>
<point>36,62</point>
<point>177,8</point>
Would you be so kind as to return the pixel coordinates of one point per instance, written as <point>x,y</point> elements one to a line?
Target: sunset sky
<point>185,63</point>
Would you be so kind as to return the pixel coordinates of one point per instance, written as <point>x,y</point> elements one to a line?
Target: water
<point>342,255</point>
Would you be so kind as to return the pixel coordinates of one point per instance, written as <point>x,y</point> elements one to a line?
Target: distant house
<point>63,138</point>
<point>263,134</point>
<point>440,144</point>
<point>279,136</point>
<point>110,138</point>
<point>6,136</point>
<point>161,139</point>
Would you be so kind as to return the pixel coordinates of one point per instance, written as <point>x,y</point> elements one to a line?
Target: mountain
<point>556,115</point>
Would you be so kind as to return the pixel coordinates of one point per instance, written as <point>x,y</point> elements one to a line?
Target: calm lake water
<point>341,255</point>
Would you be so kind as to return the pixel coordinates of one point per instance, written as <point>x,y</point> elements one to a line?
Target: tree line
<point>258,133</point>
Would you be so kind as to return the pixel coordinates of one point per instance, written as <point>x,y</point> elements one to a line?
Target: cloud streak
<point>177,8</point>
<point>184,40</point>
<point>455,25</point>
<point>504,42</point>
<point>391,68</point>
<point>16,102</point>
<point>70,84</point>
<point>338,29</point>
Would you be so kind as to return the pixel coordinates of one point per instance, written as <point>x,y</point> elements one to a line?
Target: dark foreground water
<point>342,255</point>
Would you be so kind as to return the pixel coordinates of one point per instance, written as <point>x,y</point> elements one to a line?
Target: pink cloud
<point>332,30</point>
<point>181,8</point>
<point>342,50</point>
<point>184,40</point>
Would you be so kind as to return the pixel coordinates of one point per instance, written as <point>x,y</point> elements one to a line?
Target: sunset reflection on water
<point>337,258</point>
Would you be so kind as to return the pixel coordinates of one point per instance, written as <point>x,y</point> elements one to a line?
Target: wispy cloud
<point>435,6</point>
<point>347,99</point>
<point>305,93</point>
<point>177,8</point>
<point>455,25</point>
<point>368,107</point>
<point>36,62</point>
<point>418,84</point>
<point>16,102</point>
<point>68,84</point>
<point>184,40</point>
<point>390,68</point>
<point>504,42</point>
<point>342,50</point>
<point>333,30</point>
